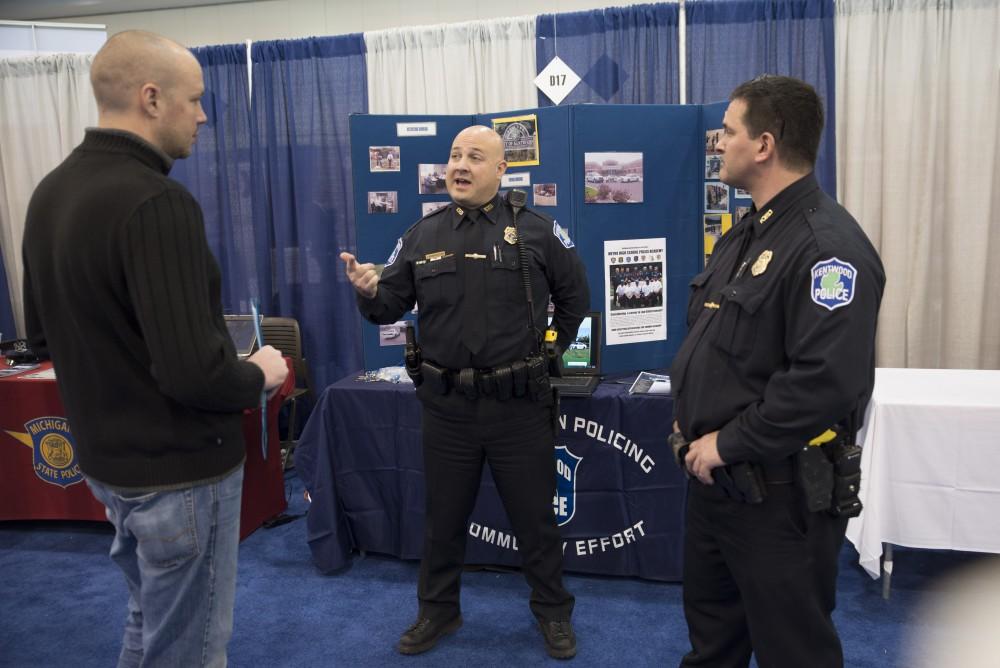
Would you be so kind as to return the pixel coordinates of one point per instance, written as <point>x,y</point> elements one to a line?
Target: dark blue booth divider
<point>671,139</point>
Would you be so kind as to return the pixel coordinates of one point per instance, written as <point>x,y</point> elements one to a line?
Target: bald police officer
<point>482,394</point>
<point>780,348</point>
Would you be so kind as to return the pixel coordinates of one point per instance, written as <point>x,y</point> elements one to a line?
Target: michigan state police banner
<point>619,498</point>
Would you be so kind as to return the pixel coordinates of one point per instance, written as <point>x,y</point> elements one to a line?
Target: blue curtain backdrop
<point>7,329</point>
<point>218,174</point>
<point>732,41</point>
<point>624,55</point>
<point>303,92</point>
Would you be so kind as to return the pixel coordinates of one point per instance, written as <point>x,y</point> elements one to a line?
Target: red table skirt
<point>46,486</point>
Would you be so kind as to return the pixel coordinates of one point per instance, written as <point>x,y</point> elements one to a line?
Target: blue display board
<point>671,139</point>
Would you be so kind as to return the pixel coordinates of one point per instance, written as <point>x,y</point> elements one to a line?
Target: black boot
<point>425,633</point>
<point>560,641</point>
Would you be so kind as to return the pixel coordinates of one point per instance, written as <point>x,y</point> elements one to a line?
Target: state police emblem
<point>53,454</point>
<point>833,283</point>
<point>562,235</point>
<point>564,502</point>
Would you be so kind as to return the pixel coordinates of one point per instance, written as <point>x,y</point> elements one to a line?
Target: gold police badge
<point>510,235</point>
<point>760,265</point>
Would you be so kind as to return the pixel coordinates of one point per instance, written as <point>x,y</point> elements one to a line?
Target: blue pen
<point>263,394</point>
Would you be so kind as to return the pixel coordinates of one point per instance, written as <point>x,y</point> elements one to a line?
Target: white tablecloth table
<point>930,470</point>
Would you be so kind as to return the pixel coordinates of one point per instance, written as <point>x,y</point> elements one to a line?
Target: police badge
<point>510,235</point>
<point>760,265</point>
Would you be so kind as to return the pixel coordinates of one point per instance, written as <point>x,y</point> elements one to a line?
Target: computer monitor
<point>583,355</point>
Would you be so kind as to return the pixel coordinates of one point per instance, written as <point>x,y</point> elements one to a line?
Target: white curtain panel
<point>918,160</point>
<point>458,68</point>
<point>46,102</point>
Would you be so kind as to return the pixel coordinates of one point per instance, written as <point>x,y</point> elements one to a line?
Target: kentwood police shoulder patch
<point>395,252</point>
<point>564,502</point>
<point>562,235</point>
<point>53,457</point>
<point>833,283</point>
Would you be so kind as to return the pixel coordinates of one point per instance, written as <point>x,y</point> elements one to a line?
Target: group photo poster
<point>634,290</point>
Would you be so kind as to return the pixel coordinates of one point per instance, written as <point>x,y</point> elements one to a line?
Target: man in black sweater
<point>121,285</point>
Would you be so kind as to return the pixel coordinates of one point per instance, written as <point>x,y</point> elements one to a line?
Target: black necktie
<point>474,296</point>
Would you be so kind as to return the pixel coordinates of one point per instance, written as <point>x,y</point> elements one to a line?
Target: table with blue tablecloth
<point>619,501</point>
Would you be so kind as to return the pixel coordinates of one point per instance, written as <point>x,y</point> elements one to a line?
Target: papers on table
<point>650,383</point>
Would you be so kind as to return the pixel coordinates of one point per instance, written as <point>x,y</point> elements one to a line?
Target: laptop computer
<point>243,333</point>
<point>582,359</point>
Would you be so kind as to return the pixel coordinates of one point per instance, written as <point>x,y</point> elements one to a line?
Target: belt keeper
<point>519,374</point>
<point>504,382</point>
<point>486,385</point>
<point>467,382</point>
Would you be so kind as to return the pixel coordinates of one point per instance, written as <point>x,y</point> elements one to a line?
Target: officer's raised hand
<point>363,276</point>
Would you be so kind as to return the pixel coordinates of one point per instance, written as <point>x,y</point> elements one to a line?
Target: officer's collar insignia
<point>767,214</point>
<point>760,265</point>
<point>510,235</point>
<point>833,283</point>
<point>395,253</point>
<point>488,208</point>
<point>459,210</point>
<point>562,235</point>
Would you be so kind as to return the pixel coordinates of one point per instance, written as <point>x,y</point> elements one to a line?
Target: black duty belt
<point>501,382</point>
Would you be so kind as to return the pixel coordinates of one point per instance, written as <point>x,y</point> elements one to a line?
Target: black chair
<point>284,334</point>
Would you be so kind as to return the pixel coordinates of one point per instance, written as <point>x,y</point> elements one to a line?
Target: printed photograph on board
<point>716,198</point>
<point>612,178</point>
<point>430,207</point>
<point>383,201</point>
<point>713,163</point>
<point>544,194</point>
<point>712,138</point>
<point>430,179</point>
<point>383,158</point>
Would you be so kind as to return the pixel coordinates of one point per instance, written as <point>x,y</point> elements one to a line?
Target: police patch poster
<point>520,139</point>
<point>634,290</point>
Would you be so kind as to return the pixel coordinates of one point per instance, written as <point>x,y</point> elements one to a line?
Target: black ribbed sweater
<point>120,282</point>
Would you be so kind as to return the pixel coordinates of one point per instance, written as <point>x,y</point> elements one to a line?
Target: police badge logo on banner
<point>833,283</point>
<point>564,502</point>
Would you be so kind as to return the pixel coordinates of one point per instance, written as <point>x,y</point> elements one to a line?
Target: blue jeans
<point>177,550</point>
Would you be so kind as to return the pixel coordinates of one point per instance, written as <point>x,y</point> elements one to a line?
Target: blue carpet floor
<point>63,604</point>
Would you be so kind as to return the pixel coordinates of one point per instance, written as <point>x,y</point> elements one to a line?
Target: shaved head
<point>132,59</point>
<point>487,138</point>
<point>475,166</point>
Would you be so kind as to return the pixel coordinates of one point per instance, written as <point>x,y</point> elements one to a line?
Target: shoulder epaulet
<point>829,223</point>
<point>436,212</point>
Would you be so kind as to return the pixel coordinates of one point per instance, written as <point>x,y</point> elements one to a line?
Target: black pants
<point>516,437</point>
<point>761,579</point>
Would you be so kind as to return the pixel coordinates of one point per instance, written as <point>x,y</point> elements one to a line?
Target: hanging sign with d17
<point>557,80</point>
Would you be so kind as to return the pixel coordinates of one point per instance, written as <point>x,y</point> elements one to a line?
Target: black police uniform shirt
<point>434,265</point>
<point>781,340</point>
